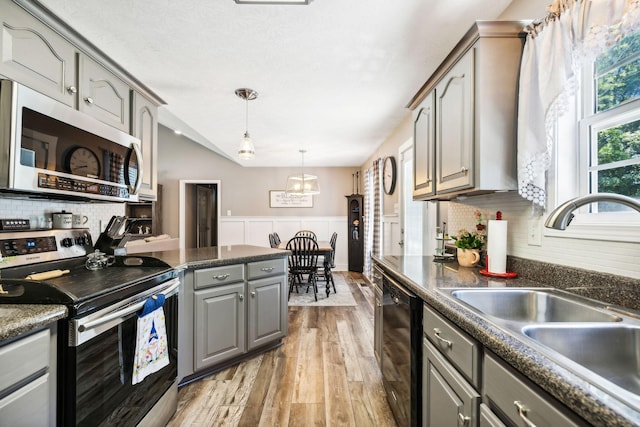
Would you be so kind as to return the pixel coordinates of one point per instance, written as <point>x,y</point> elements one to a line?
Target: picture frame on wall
<point>281,199</point>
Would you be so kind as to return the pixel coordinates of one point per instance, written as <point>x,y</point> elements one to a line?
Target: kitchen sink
<point>609,350</point>
<point>532,305</point>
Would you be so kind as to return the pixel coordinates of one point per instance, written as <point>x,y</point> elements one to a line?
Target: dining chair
<point>277,238</point>
<point>303,261</point>
<point>272,241</point>
<point>306,233</point>
<point>327,264</point>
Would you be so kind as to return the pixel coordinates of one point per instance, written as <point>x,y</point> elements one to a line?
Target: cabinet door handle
<point>72,89</point>
<point>464,169</point>
<point>463,420</point>
<point>522,413</point>
<point>267,269</point>
<point>241,297</point>
<point>221,276</point>
<point>437,333</point>
<point>88,100</point>
<point>253,294</point>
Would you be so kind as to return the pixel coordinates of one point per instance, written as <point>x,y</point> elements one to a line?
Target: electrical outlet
<point>534,232</point>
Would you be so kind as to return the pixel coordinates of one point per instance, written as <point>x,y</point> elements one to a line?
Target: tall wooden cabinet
<point>355,235</point>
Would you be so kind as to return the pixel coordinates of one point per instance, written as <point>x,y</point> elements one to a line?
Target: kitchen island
<point>233,305</point>
<point>578,394</point>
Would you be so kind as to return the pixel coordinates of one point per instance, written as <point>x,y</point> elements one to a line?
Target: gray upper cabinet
<point>424,148</point>
<point>144,126</point>
<point>454,127</point>
<point>103,95</point>
<point>474,95</point>
<point>35,55</point>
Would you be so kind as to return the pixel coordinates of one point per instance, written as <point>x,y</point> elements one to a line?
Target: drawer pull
<point>437,333</point>
<point>221,276</point>
<point>267,269</point>
<point>522,413</point>
<point>462,420</point>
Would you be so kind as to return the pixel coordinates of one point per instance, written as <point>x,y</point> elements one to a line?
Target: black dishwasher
<point>402,351</point>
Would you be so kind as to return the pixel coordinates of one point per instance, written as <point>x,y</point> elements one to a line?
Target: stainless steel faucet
<point>561,216</point>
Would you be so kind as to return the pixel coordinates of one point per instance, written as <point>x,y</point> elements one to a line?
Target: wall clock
<point>389,175</point>
<point>83,162</point>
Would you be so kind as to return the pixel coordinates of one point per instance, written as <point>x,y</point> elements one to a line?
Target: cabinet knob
<point>88,100</point>
<point>72,89</point>
<point>522,413</point>
<point>463,420</point>
<point>464,169</point>
<point>241,297</point>
<point>253,294</point>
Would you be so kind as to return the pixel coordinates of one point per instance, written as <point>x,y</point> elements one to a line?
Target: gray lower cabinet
<point>517,401</point>
<point>220,324</point>
<point>237,309</point>
<point>27,381</point>
<point>450,373</point>
<point>447,398</point>
<point>488,418</point>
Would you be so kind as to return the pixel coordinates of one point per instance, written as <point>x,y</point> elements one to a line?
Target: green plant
<point>468,240</point>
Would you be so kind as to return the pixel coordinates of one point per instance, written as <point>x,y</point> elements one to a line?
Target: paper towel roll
<point>497,247</point>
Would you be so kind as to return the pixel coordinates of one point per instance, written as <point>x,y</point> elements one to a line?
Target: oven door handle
<point>124,311</point>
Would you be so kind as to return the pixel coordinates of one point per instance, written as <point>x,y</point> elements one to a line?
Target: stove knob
<point>81,241</point>
<point>67,242</point>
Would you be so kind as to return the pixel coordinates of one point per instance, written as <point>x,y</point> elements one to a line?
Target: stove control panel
<point>20,248</point>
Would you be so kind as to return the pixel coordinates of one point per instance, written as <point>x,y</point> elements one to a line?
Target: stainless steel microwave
<point>50,149</point>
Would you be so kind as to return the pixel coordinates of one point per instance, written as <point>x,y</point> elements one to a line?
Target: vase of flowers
<point>469,245</point>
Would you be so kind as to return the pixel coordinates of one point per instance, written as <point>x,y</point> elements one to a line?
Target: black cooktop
<point>83,290</point>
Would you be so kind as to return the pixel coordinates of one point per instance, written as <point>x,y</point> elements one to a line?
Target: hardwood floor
<point>324,374</point>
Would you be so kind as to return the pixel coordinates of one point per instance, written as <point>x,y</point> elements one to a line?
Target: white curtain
<point>576,31</point>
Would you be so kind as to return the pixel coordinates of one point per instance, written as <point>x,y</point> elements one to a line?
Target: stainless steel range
<point>96,343</point>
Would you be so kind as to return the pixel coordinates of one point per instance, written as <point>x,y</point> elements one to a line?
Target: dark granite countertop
<point>217,255</point>
<point>425,277</point>
<point>16,319</point>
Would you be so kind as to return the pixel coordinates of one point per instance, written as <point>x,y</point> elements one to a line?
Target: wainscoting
<point>254,230</point>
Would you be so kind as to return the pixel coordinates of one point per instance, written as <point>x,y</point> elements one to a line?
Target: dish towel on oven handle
<point>152,349</point>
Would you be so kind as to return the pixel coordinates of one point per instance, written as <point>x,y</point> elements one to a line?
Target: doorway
<point>199,213</point>
<point>417,218</point>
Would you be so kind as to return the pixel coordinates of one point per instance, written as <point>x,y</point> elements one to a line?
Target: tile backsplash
<point>37,211</point>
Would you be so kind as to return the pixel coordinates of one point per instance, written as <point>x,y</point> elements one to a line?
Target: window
<point>610,130</point>
<point>608,145</point>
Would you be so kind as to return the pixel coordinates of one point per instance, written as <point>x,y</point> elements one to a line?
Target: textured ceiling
<point>333,77</point>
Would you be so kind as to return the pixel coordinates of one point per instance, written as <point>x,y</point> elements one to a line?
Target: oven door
<point>96,387</point>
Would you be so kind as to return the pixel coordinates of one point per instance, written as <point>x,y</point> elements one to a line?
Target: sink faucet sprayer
<point>561,216</point>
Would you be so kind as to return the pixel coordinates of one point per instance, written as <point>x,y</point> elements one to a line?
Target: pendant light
<point>247,150</point>
<point>303,184</point>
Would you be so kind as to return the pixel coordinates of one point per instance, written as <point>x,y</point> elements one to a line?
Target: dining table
<point>324,250</point>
